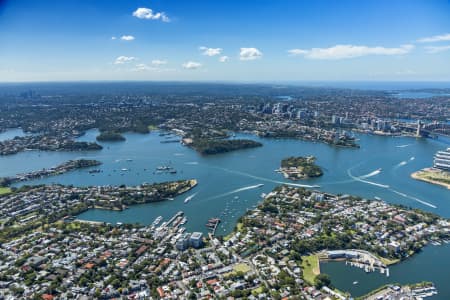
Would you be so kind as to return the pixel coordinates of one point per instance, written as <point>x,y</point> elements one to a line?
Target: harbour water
<point>418,95</point>
<point>11,133</point>
<point>228,183</point>
<point>432,264</point>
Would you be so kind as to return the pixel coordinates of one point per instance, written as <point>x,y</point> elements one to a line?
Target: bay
<point>227,183</point>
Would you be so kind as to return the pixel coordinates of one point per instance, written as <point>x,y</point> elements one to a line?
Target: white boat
<point>355,282</point>
<point>188,198</point>
<point>157,220</point>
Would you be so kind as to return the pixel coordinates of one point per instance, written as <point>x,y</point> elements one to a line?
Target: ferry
<point>188,198</point>
<point>377,198</point>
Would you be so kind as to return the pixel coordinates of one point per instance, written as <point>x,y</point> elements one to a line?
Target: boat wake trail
<point>245,188</point>
<point>371,174</point>
<point>191,163</point>
<point>188,198</point>
<point>413,198</point>
<point>403,146</point>
<point>402,163</point>
<point>269,180</point>
<point>366,181</point>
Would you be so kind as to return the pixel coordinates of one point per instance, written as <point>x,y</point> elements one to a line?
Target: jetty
<point>212,225</point>
<point>178,214</point>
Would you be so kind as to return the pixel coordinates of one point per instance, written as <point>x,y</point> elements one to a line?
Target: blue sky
<point>225,40</point>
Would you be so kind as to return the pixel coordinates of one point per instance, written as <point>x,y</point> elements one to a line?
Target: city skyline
<point>224,41</point>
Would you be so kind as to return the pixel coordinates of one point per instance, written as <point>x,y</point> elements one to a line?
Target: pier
<point>212,225</point>
<point>178,214</point>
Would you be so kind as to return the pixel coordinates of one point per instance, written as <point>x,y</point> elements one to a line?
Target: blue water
<point>432,264</point>
<point>417,95</point>
<point>11,133</point>
<point>226,181</point>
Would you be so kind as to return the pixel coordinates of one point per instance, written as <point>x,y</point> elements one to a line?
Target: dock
<point>178,214</point>
<point>212,225</point>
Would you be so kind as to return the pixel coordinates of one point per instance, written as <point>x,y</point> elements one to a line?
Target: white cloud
<point>158,62</point>
<point>127,38</point>
<point>142,67</point>
<point>149,14</point>
<point>152,68</point>
<point>210,51</point>
<point>191,65</point>
<point>295,52</point>
<point>113,38</point>
<point>224,58</point>
<point>124,59</point>
<point>437,49</point>
<point>435,38</point>
<point>249,54</point>
<point>350,51</point>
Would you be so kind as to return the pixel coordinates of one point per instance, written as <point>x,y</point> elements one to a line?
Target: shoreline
<point>192,183</point>
<point>416,176</point>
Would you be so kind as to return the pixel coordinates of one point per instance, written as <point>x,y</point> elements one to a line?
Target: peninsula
<point>216,146</point>
<point>58,170</point>
<point>110,136</point>
<point>434,176</point>
<point>29,207</point>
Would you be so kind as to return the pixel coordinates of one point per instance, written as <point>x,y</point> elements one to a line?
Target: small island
<point>434,176</point>
<point>300,167</point>
<point>110,136</point>
<point>216,146</point>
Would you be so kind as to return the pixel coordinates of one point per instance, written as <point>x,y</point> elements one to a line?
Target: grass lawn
<point>4,190</point>
<point>244,268</point>
<point>258,291</point>
<point>388,261</point>
<point>311,268</point>
<point>152,127</point>
<point>239,228</point>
